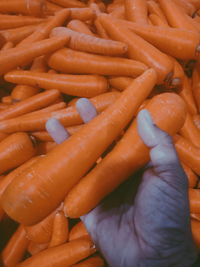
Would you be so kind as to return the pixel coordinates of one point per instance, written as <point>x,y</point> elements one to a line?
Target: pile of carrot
<point>123,55</point>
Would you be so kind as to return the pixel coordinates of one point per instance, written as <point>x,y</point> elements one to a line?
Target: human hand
<point>150,227</point>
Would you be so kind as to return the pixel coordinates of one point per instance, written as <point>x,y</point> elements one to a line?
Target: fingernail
<point>146,115</point>
<point>86,109</point>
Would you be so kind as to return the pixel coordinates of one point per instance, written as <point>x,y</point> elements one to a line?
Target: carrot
<point>155,20</point>
<point>78,85</point>
<point>196,232</point>
<point>15,150</point>
<point>34,248</point>
<point>50,108</point>
<point>195,216</point>
<point>22,92</point>
<point>23,55</point>
<point>51,8</point>
<point>4,106</point>
<point>68,3</point>
<point>120,83</point>
<point>196,120</point>
<point>188,153</point>
<point>190,131</point>
<point>111,121</point>
<point>77,231</point>
<point>80,26</point>
<point>196,86</point>
<point>43,32</point>
<point>39,64</point>
<point>26,7</point>
<point>194,200</point>
<point>181,43</point>
<point>60,231</point>
<point>138,48</point>
<point>95,8</point>
<point>7,45</point>
<point>84,14</point>
<point>100,30</point>
<point>10,21</point>
<point>154,9</point>
<point>192,177</point>
<point>128,155</point>
<point>45,147</point>
<point>33,103</point>
<point>118,12</point>
<point>69,61</point>
<point>175,16</point>
<point>63,255</point>
<point>186,94</point>
<point>91,262</point>
<point>68,117</point>
<point>3,136</point>
<point>6,100</point>
<point>136,10</point>
<point>15,248</point>
<point>87,43</point>
<point>195,3</point>
<point>186,6</point>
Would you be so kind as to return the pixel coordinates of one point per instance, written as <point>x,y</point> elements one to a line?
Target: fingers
<point>86,109</point>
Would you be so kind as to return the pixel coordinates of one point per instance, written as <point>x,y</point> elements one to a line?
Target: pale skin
<point>149,227</point>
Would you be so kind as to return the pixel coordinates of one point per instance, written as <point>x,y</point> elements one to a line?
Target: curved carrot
<point>26,7</point>
<point>154,9</point>
<point>196,232</point>
<point>60,230</point>
<point>34,248</point>
<point>22,92</point>
<point>21,56</point>
<point>15,248</point>
<point>69,61</point>
<point>43,32</point>
<point>78,85</point>
<point>138,48</point>
<point>33,103</point>
<point>155,20</point>
<point>91,262</point>
<point>129,155</point>
<point>100,30</point>
<point>63,255</point>
<point>192,177</point>
<point>136,11</point>
<point>120,83</point>
<point>80,26</point>
<point>68,3</point>
<point>194,200</point>
<point>7,45</point>
<point>87,43</point>
<point>84,14</point>
<point>111,121</point>
<point>77,231</point>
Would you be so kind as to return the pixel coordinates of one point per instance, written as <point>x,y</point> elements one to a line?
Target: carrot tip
<point>176,82</point>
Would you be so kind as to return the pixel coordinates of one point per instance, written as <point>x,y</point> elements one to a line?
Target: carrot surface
<point>77,231</point>
<point>194,200</point>
<point>91,262</point>
<point>136,11</point>
<point>80,26</point>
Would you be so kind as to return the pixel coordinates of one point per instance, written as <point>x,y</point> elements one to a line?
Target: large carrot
<point>33,103</point>
<point>179,43</point>
<point>21,56</point>
<point>91,262</point>
<point>43,32</point>
<point>194,200</point>
<point>15,150</point>
<point>80,26</point>
<point>77,231</point>
<point>111,121</point>
<point>138,48</point>
<point>68,3</point>
<point>77,85</point>
<point>69,61</point>
<point>9,21</point>
<point>67,117</point>
<point>26,7</point>
<point>129,155</point>
<point>63,255</point>
<point>60,230</point>
<point>87,43</point>
<point>15,248</point>
<point>136,11</point>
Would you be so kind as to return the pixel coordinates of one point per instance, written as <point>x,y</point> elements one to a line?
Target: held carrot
<point>33,103</point>
<point>69,61</point>
<point>194,200</point>
<point>77,231</point>
<point>68,3</point>
<point>138,48</point>
<point>15,248</point>
<point>87,43</point>
<point>80,26</point>
<point>136,11</point>
<point>77,85</point>
<point>60,231</point>
<point>23,55</point>
<point>63,255</point>
<point>111,121</point>
<point>128,155</point>
<point>34,248</point>
<point>91,262</point>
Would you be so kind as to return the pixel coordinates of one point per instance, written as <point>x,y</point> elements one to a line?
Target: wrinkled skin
<point>146,221</point>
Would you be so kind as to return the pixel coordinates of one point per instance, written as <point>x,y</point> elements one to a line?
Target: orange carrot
<point>186,6</point>
<point>87,43</point>
<point>196,86</point>
<point>154,9</point>
<point>68,3</point>
<point>194,200</point>
<point>192,177</point>
<point>67,117</point>
<point>111,121</point>
<point>78,85</point>
<point>69,61</point>
<point>128,155</point>
<point>33,103</point>
<point>118,12</point>
<point>196,232</point>
<point>43,32</point>
<point>7,45</point>
<point>100,30</point>
<point>23,55</point>
<point>45,147</point>
<point>26,7</point>
<point>77,231</point>
<point>84,14</point>
<point>34,248</point>
<point>195,216</point>
<point>63,255</point>
<point>91,262</point>
<point>6,100</point>
<point>60,231</point>
<point>39,64</point>
<point>15,150</point>
<point>3,136</point>
<point>136,11</point>
<point>80,26</point>
<point>22,92</point>
<point>15,248</point>
<point>138,48</point>
<point>120,83</point>
<point>155,20</point>
<point>2,41</point>
<point>196,119</point>
<point>51,8</point>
